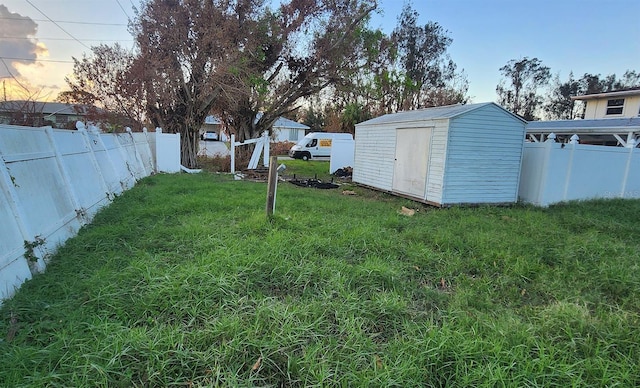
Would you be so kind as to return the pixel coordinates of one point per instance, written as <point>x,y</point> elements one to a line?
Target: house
<point>446,155</point>
<point>288,130</point>
<point>283,130</point>
<point>213,124</point>
<point>614,104</point>
<point>37,114</point>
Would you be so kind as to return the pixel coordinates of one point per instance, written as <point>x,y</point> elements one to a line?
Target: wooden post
<point>271,186</point>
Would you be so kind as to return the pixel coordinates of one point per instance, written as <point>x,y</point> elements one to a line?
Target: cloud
<point>17,40</point>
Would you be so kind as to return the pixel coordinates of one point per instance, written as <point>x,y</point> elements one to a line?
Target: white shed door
<point>412,161</point>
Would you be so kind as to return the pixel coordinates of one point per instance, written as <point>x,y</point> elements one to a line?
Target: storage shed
<point>457,154</point>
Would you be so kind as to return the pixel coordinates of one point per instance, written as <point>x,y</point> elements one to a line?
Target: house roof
<point>601,126</point>
<point>613,93</point>
<point>212,120</point>
<point>47,108</point>
<point>435,113</point>
<point>281,122</point>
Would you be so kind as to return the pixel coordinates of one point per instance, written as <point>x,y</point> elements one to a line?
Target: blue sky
<point>601,37</point>
<point>583,36</point>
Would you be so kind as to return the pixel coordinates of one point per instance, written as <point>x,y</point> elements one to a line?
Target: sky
<point>579,36</point>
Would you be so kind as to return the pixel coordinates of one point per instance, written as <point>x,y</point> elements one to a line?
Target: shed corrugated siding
<point>483,157</point>
<point>374,156</point>
<point>437,157</point>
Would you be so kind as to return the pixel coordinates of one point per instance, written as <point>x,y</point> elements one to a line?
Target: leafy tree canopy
<point>518,89</point>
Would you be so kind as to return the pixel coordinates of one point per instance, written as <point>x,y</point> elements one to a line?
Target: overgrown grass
<point>183,282</point>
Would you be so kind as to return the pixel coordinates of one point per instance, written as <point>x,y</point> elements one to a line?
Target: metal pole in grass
<point>271,186</point>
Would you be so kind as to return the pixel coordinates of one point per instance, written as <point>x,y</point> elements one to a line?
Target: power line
<point>34,60</point>
<point>11,74</point>
<point>65,39</point>
<point>59,26</point>
<point>123,11</point>
<point>64,21</point>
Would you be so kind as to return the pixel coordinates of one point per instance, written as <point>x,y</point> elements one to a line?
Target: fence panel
<point>84,178</point>
<point>553,172</point>
<point>120,163</point>
<point>142,142</point>
<point>54,181</point>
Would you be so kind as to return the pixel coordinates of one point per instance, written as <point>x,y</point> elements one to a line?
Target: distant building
<point>283,130</point>
<point>38,114</point>
<point>615,104</point>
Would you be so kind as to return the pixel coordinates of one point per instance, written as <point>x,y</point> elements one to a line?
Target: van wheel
<point>306,156</point>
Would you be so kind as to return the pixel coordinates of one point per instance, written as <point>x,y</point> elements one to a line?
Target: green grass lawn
<point>182,281</point>
<point>306,169</point>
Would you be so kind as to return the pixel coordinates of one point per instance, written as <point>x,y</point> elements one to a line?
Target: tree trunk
<point>189,143</point>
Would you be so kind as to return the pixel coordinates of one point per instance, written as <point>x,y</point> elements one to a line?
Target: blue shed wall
<point>483,158</point>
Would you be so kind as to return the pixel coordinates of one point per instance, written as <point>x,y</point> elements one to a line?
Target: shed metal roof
<point>601,126</point>
<point>435,113</point>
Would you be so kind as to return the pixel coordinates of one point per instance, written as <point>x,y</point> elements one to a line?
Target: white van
<point>316,144</point>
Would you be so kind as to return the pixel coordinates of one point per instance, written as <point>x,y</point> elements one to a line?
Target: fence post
<point>574,142</point>
<point>548,147</point>
<point>631,144</point>
<point>265,142</point>
<point>233,153</point>
<point>271,186</point>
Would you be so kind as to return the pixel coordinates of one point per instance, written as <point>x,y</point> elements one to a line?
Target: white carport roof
<point>603,129</point>
<point>591,127</point>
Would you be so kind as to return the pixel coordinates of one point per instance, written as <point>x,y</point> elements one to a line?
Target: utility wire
<point>64,21</point>
<point>64,39</point>
<point>11,74</point>
<point>123,11</point>
<point>34,60</point>
<point>59,26</point>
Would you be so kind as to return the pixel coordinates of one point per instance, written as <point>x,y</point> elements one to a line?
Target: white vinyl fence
<point>53,181</point>
<point>554,172</point>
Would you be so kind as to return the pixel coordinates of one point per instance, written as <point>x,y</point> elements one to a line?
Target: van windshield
<point>304,141</point>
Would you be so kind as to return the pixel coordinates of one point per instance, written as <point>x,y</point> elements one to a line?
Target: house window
<point>293,135</point>
<point>614,107</point>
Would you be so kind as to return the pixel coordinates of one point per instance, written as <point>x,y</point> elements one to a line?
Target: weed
<point>29,247</point>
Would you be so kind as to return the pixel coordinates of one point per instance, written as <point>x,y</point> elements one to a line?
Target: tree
<point>314,119</point>
<point>426,72</point>
<point>238,58</point>
<point>105,78</point>
<point>408,69</point>
<point>559,105</point>
<point>353,114</point>
<point>518,91</point>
